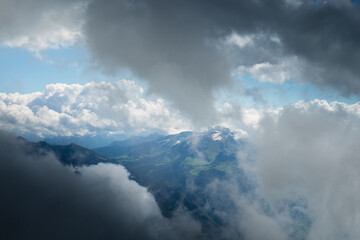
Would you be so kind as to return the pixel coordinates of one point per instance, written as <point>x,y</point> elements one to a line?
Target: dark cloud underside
<point>177,45</point>
<point>41,199</point>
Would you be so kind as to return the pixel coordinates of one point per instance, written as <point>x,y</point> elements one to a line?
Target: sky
<point>283,73</point>
<point>259,56</point>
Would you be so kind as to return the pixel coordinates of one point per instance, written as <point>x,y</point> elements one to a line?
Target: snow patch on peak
<point>216,136</point>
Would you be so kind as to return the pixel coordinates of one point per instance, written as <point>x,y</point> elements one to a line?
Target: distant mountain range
<point>177,169</point>
<point>72,154</point>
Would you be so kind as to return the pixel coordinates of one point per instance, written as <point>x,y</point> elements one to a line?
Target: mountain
<point>177,168</point>
<point>72,154</point>
<point>86,140</point>
<point>194,172</point>
<point>118,148</point>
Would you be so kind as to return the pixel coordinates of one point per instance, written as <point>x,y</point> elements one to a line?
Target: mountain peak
<point>216,136</point>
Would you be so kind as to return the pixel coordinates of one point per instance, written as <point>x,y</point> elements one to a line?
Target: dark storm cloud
<point>40,199</point>
<point>178,45</point>
<point>327,36</point>
<point>163,42</point>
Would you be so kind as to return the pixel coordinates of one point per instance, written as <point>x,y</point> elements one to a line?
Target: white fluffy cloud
<point>303,162</point>
<point>262,57</point>
<point>103,108</point>
<point>93,108</point>
<point>308,152</point>
<point>37,25</point>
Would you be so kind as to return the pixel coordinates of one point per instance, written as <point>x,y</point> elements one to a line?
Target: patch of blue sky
<point>252,93</point>
<point>277,95</point>
<point>25,72</point>
<point>22,71</point>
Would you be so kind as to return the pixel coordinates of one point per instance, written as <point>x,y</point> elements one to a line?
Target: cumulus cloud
<point>242,212</point>
<point>298,180</point>
<point>186,49</point>
<point>42,199</point>
<point>244,121</point>
<point>94,108</point>
<point>262,56</point>
<point>160,41</point>
<point>38,25</point>
<point>108,108</point>
<point>308,154</point>
<point>298,173</point>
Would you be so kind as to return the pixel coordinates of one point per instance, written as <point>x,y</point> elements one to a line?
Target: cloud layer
<point>299,175</point>
<point>42,199</point>
<point>187,49</point>
<point>93,108</point>
<point>162,42</point>
<point>38,25</point>
<point>303,160</point>
<point>308,155</point>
